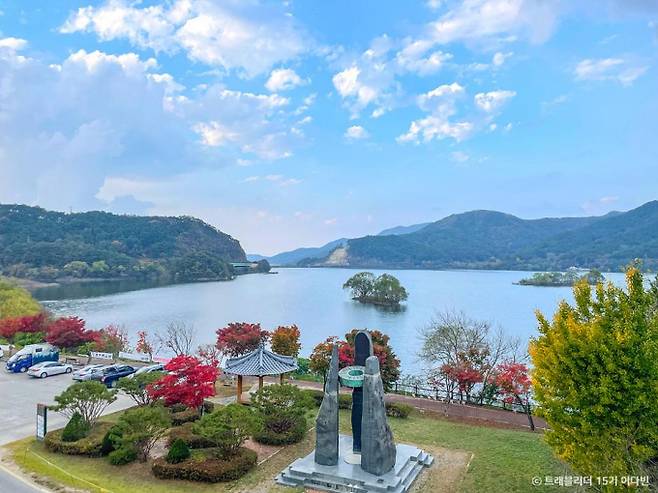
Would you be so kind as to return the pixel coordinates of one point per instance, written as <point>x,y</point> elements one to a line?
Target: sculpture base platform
<point>344,477</point>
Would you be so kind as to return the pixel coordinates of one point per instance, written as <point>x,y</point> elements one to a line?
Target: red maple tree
<point>239,338</point>
<point>69,332</point>
<point>188,382</point>
<point>462,376</point>
<point>515,385</point>
<point>9,327</point>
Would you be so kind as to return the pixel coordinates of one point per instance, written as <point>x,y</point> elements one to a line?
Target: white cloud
<point>441,104</point>
<point>616,69</point>
<point>500,58</point>
<point>494,100</point>
<point>356,132</point>
<point>95,115</point>
<point>331,221</point>
<point>243,36</point>
<point>14,44</point>
<point>481,20</point>
<point>283,79</point>
<point>414,57</point>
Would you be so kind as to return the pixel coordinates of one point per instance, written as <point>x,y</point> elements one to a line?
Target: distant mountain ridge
<point>292,257</point>
<point>47,245</point>
<point>495,240</point>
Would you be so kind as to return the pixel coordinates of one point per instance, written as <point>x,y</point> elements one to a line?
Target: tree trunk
<point>528,411</point>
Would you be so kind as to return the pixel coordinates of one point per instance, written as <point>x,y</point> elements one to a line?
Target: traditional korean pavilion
<point>259,363</point>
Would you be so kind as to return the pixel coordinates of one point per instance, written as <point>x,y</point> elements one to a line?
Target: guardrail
<point>455,397</point>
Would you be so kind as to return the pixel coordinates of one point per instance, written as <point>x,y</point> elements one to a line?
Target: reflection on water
<point>315,301</point>
<point>92,289</point>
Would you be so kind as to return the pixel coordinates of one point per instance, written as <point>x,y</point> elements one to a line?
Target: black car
<point>113,373</point>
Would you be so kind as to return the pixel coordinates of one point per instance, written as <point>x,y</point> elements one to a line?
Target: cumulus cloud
<point>283,79</point>
<point>441,104</point>
<point>616,69</point>
<point>418,57</point>
<point>356,132</point>
<point>95,115</point>
<point>244,36</point>
<point>477,21</point>
<point>14,44</point>
<point>494,100</point>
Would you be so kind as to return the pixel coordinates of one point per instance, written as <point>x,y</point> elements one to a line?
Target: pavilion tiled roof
<point>260,362</point>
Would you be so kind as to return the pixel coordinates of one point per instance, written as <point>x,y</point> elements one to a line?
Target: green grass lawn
<point>503,461</point>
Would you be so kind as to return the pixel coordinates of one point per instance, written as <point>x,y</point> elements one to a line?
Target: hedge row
<point>187,416</point>
<point>393,409</point>
<point>210,470</point>
<point>90,446</point>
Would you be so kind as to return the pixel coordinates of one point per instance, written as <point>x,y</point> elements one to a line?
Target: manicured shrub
<point>398,410</point>
<point>185,416</point>
<point>107,445</point>
<point>228,427</point>
<point>75,429</point>
<point>122,456</point>
<point>178,452</point>
<point>191,439</point>
<point>292,434</point>
<point>281,409</point>
<point>140,429</point>
<point>90,446</point>
<point>211,470</point>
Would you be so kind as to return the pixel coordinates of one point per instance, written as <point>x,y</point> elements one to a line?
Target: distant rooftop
<point>260,362</point>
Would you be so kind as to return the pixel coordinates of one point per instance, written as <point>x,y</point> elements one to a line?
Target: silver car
<point>85,373</point>
<point>48,368</point>
<point>148,369</point>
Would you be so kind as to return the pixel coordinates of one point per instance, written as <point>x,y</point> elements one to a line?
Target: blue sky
<point>294,123</point>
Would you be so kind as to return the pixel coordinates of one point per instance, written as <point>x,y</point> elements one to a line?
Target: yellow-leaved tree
<point>16,301</point>
<point>595,378</point>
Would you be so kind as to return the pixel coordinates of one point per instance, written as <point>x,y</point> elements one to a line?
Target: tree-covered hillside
<point>493,240</point>
<point>46,245</point>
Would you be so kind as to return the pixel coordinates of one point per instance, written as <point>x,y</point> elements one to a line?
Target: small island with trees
<point>383,290</point>
<point>568,278</point>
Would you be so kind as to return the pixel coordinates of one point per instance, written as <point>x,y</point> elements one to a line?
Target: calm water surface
<point>314,300</point>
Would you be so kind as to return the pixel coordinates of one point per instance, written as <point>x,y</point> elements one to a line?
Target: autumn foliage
<point>69,332</point>
<point>285,340</point>
<point>239,338</point>
<point>188,382</point>
<point>30,324</point>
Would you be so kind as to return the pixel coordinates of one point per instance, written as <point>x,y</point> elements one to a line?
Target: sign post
<point>42,421</point>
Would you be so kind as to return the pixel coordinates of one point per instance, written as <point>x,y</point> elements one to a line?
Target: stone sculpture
<point>378,449</point>
<point>326,424</point>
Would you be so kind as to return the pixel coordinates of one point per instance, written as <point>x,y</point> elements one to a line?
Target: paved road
<point>19,396</point>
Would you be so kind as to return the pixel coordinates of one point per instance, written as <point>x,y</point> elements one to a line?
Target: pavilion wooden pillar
<point>239,389</point>
<point>260,382</point>
<point>281,379</point>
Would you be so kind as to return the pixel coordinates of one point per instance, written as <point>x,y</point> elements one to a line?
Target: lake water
<point>315,301</point>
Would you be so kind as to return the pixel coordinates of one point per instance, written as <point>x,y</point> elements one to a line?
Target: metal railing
<point>455,397</point>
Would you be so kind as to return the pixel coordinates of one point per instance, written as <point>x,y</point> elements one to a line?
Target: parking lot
<point>19,396</point>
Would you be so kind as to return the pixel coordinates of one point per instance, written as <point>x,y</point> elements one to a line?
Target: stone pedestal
<point>344,477</point>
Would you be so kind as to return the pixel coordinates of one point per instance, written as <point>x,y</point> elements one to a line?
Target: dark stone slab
<point>362,351</point>
<point>378,448</point>
<point>326,424</point>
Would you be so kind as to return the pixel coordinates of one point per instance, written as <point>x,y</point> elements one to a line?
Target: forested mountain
<point>493,240</point>
<point>46,245</point>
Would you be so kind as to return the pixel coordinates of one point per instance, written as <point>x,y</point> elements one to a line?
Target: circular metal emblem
<point>352,376</point>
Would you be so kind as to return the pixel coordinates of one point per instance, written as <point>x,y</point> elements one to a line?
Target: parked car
<point>48,368</point>
<point>113,373</point>
<point>87,372</point>
<point>31,355</point>
<point>148,369</point>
